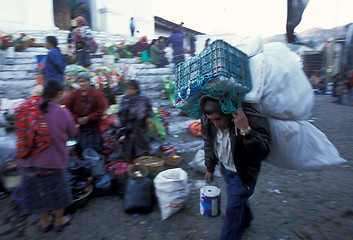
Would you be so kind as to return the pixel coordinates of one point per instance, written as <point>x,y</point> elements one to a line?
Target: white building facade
<point>105,15</point>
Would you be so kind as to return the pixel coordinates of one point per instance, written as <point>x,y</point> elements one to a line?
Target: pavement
<point>288,204</point>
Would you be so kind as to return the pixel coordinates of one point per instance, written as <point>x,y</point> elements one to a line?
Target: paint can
<point>210,201</point>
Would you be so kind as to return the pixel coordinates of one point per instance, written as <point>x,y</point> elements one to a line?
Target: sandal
<point>49,227</point>
<point>59,228</point>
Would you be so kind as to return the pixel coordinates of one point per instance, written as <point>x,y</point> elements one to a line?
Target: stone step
<point>16,88</point>
<point>23,67</point>
<point>100,37</point>
<point>17,75</point>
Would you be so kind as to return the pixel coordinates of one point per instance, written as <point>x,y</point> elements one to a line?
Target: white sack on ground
<point>299,145</point>
<point>198,164</point>
<point>172,189</point>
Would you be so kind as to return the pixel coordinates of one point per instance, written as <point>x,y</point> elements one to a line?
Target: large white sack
<point>257,73</point>
<point>287,93</point>
<point>299,145</point>
<point>172,189</point>
<point>254,47</point>
<point>198,164</point>
<point>251,45</point>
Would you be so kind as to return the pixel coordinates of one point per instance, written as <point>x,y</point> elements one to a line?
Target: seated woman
<point>135,113</point>
<point>157,55</point>
<point>140,46</point>
<point>87,106</point>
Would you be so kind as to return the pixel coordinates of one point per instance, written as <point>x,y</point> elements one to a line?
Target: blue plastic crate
<point>221,71</point>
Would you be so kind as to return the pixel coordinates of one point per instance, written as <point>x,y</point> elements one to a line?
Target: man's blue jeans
<point>238,211</point>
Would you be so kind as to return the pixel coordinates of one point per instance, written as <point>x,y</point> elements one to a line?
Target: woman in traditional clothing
<point>87,106</point>
<point>44,186</point>
<point>157,55</point>
<point>135,114</point>
<point>140,46</point>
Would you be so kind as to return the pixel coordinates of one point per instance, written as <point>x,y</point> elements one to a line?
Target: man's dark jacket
<point>248,151</point>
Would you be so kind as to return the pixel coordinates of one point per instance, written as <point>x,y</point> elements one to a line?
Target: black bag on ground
<point>138,197</point>
<point>103,185</point>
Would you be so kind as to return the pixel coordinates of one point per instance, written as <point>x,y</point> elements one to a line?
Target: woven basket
<point>154,164</point>
<point>170,161</point>
<point>138,171</point>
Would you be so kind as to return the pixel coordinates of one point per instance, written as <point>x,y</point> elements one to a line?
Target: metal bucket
<point>210,201</point>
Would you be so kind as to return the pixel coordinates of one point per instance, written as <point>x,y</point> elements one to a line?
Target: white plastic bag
<point>299,145</point>
<point>3,121</point>
<point>97,164</point>
<point>287,93</point>
<point>254,47</point>
<point>172,189</point>
<point>198,164</point>
<point>251,45</point>
<point>257,72</point>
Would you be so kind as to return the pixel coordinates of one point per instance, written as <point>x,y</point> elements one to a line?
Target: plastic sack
<point>145,57</point>
<point>198,164</point>
<point>287,93</point>
<point>93,157</point>
<point>156,127</point>
<point>257,72</point>
<point>250,45</point>
<point>299,145</point>
<point>103,186</point>
<point>172,189</point>
<point>3,120</point>
<point>138,196</point>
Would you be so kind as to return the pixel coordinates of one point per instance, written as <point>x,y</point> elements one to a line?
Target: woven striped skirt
<point>45,190</point>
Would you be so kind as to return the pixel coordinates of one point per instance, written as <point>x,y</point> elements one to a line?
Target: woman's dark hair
<point>153,41</point>
<point>52,40</point>
<point>134,84</point>
<point>210,106</point>
<point>51,89</point>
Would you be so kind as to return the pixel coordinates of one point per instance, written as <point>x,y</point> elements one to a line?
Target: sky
<point>251,17</point>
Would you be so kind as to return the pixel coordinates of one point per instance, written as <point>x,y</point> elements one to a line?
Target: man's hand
<point>240,120</point>
<point>209,177</point>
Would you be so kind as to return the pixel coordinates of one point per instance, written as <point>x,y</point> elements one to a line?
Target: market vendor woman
<point>87,106</point>
<point>45,187</point>
<point>135,113</point>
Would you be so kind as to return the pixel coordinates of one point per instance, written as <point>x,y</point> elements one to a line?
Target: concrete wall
<point>106,15</point>
<point>20,15</point>
<point>114,16</point>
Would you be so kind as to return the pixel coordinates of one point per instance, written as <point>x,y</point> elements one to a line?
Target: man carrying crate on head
<point>240,141</point>
<point>212,86</point>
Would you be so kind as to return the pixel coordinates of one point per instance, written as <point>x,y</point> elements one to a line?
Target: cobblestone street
<point>313,204</point>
